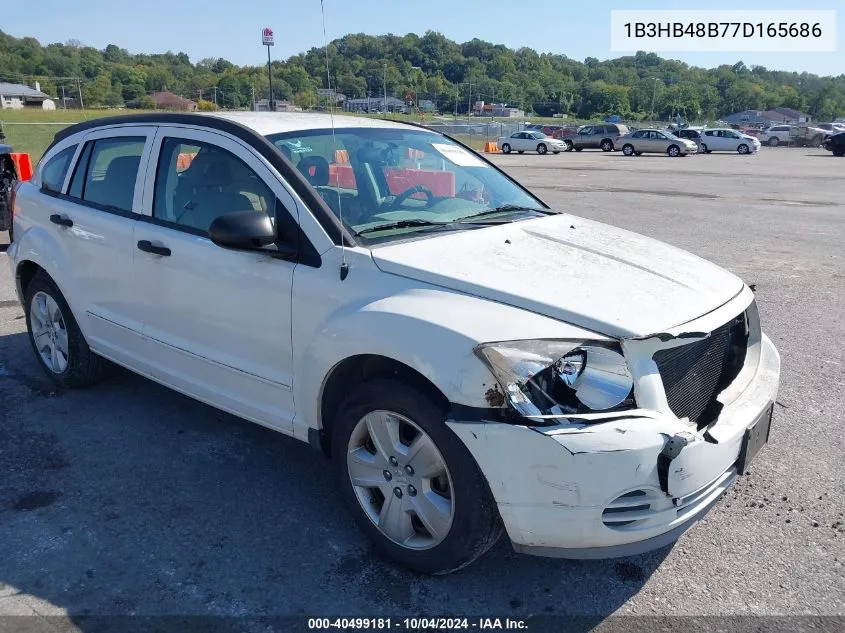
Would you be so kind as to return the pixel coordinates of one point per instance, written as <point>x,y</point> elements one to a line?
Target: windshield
<point>539,135</point>
<point>389,182</point>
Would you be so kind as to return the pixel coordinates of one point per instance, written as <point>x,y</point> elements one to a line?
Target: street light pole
<point>653,95</point>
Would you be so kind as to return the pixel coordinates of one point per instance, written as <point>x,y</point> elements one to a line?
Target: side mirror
<point>243,230</point>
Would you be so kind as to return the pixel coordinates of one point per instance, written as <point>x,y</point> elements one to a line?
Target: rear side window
<point>107,172</point>
<point>54,171</point>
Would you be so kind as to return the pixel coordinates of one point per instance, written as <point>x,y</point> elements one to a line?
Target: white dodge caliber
<point>471,361</point>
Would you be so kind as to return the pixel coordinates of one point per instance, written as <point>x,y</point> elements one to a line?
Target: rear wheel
<point>412,485</point>
<point>56,338</point>
<point>628,149</point>
<point>606,145</point>
<point>542,149</point>
<point>673,151</point>
<point>742,149</point>
<point>506,148</point>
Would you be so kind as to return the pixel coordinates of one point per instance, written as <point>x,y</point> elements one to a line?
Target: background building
<point>16,96</point>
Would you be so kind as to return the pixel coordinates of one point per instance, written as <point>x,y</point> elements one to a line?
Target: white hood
<point>592,275</point>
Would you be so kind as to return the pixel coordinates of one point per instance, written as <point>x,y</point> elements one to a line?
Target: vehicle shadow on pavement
<point>130,499</point>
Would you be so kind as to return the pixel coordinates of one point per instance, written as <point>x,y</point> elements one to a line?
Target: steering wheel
<point>402,197</point>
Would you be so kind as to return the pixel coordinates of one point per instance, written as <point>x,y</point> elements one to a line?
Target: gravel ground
<point>128,498</point>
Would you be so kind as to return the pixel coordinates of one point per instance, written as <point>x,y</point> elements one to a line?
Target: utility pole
<point>457,87</point>
<point>64,100</point>
<point>253,97</point>
<point>653,95</point>
<point>469,100</point>
<point>384,85</point>
<point>215,96</point>
<point>79,87</point>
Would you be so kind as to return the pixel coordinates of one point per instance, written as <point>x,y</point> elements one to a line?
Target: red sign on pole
<point>267,36</point>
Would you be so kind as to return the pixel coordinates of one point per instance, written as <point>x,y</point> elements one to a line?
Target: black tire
<point>476,525</point>
<point>578,149</point>
<point>569,145</point>
<point>506,148</point>
<point>628,149</point>
<point>84,367</point>
<point>638,153</point>
<point>742,148</point>
<point>673,151</point>
<point>774,141</point>
<point>542,149</point>
<point>703,149</point>
<point>520,151</point>
<point>606,145</point>
<point>838,151</point>
<point>556,152</point>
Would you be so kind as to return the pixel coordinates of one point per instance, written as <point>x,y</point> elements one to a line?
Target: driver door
<point>216,322</point>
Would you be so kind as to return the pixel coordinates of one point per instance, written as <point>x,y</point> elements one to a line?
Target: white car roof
<point>265,123</point>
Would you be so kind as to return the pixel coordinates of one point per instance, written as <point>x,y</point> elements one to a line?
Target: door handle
<point>61,220</point>
<point>149,247</point>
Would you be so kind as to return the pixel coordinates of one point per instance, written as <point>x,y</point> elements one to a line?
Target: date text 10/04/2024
<point>416,624</point>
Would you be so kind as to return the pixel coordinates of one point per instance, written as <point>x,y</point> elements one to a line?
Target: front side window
<point>587,130</point>
<point>378,177</point>
<point>54,171</point>
<point>107,170</point>
<point>197,182</point>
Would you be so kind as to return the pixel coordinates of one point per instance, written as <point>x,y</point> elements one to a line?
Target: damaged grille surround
<point>693,375</point>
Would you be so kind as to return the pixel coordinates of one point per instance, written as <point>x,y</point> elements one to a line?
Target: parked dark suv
<point>836,144</point>
<point>600,136</point>
<point>8,178</point>
<point>692,135</point>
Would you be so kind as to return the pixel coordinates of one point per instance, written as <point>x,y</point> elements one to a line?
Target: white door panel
<point>100,242</point>
<point>219,320</point>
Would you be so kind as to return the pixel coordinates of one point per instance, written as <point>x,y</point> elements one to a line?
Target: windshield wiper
<point>401,224</point>
<point>505,208</point>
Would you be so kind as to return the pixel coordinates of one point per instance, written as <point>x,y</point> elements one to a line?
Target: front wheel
<point>58,343</point>
<point>412,485</point>
<point>628,149</point>
<point>774,141</point>
<point>569,146</point>
<point>506,148</point>
<point>742,149</point>
<point>703,149</point>
<point>578,149</point>
<point>673,151</point>
<point>839,151</point>
<point>542,149</point>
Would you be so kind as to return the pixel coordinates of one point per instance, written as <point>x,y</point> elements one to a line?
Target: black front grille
<point>693,375</point>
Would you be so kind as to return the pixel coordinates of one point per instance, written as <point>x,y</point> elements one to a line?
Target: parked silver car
<point>656,141</point>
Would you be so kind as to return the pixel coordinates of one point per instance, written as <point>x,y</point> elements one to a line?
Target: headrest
<point>315,169</point>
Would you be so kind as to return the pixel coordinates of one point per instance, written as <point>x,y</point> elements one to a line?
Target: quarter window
<point>107,172</point>
<point>197,182</point>
<point>54,171</point>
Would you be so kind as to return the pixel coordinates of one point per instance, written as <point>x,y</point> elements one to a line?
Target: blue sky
<point>231,28</point>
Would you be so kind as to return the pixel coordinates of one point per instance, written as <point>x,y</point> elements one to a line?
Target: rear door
<point>96,218</point>
<point>217,321</point>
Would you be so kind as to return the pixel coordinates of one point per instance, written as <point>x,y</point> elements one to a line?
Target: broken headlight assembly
<point>546,380</point>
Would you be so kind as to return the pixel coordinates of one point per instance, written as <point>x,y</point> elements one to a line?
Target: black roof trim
<point>296,180</point>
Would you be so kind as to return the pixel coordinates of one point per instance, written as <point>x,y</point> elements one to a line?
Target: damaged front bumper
<point>629,483</point>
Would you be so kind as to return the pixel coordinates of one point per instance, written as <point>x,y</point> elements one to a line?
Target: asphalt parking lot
<point>131,499</point>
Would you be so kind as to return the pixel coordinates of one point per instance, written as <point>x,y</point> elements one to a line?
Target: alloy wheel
<point>49,332</point>
<point>401,480</point>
